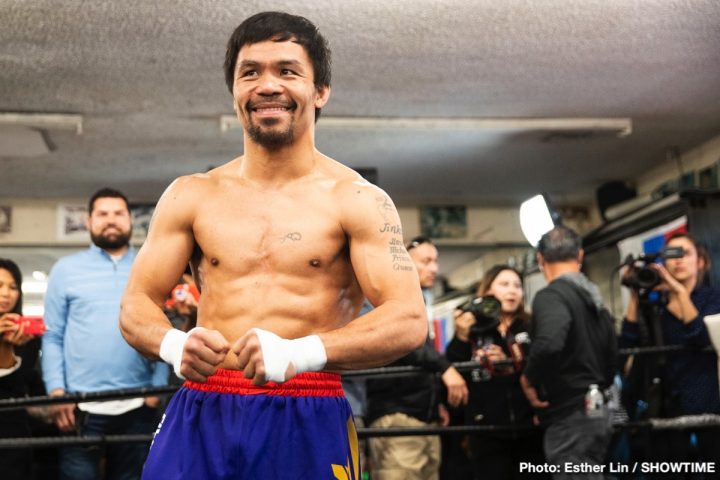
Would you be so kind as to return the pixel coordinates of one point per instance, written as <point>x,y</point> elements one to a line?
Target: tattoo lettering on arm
<point>400,258</point>
<point>292,236</point>
<point>397,229</point>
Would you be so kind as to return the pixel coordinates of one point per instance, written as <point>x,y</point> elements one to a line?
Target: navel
<point>315,263</point>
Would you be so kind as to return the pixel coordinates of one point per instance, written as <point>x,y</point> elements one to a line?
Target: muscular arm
<point>388,279</point>
<point>159,264</point>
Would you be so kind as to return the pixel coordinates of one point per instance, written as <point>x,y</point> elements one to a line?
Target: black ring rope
<point>678,423</point>
<point>22,402</point>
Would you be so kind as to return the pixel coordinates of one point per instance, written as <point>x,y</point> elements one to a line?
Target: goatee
<point>272,139</point>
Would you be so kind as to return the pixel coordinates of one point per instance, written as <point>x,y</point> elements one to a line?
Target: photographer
<point>690,376</point>
<point>495,394</point>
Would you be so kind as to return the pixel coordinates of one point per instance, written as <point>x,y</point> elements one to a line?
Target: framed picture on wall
<point>5,219</point>
<point>444,221</point>
<point>71,222</point>
<point>141,216</point>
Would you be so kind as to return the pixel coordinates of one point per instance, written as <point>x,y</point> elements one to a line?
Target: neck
<point>278,165</point>
<point>554,270</point>
<point>115,252</point>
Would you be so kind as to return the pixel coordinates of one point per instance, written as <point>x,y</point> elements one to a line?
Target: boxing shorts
<point>228,428</point>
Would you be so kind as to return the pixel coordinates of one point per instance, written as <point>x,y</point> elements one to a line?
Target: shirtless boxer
<point>284,243</point>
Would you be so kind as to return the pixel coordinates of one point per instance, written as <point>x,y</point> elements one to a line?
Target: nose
<point>268,85</point>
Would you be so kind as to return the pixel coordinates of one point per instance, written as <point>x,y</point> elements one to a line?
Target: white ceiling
<point>147,78</point>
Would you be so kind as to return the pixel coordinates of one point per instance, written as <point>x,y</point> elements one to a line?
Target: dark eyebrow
<point>293,63</point>
<point>281,63</point>
<point>247,63</point>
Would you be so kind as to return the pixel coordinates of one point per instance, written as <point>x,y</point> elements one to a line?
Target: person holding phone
<point>18,376</point>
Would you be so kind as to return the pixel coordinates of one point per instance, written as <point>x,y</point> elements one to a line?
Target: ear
<point>540,260</point>
<point>322,95</point>
<point>581,256</point>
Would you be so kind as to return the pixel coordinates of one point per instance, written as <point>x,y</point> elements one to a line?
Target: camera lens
<point>647,278</point>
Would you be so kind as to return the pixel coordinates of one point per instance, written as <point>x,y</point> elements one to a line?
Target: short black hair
<point>10,266</point>
<point>107,193</point>
<point>560,244</point>
<point>280,27</point>
<point>417,241</point>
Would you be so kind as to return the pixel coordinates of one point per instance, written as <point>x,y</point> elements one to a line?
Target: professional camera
<point>486,310</point>
<point>643,277</point>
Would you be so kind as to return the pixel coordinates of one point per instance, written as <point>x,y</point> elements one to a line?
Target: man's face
<point>109,223</point>
<point>274,95</point>
<point>425,257</point>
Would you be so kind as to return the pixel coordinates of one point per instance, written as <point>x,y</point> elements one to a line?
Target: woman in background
<point>18,376</point>
<point>690,377</point>
<point>495,394</point>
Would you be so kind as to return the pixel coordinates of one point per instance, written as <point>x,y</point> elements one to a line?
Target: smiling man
<point>284,243</point>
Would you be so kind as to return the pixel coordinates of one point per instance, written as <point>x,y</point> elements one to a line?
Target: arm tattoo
<point>400,258</point>
<point>397,229</point>
<point>384,206</point>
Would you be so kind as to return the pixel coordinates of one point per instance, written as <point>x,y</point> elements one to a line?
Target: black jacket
<point>496,398</point>
<point>417,396</point>
<point>573,346</point>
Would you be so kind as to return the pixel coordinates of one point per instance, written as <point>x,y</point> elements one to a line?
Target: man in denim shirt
<point>83,350</point>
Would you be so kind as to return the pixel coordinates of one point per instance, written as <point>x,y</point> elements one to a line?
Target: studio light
<point>537,217</point>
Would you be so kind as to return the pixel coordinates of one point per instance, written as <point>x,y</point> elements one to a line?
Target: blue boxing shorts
<point>227,428</point>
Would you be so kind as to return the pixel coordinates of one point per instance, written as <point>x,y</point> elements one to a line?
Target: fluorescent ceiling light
<point>536,218</point>
<point>622,127</point>
<point>45,121</point>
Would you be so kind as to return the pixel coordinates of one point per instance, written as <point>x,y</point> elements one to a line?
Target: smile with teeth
<point>270,109</point>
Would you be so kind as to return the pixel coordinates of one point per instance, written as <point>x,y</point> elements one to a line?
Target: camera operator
<point>691,376</point>
<point>495,394</point>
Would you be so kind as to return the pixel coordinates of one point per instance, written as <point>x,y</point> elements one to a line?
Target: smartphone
<point>32,325</point>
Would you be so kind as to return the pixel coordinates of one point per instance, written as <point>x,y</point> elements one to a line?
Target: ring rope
<point>677,423</point>
<point>22,402</point>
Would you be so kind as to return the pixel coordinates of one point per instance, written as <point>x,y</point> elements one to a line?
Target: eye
<point>287,71</point>
<point>248,73</point>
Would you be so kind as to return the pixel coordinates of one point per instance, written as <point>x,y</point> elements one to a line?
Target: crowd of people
<point>249,288</point>
<point>533,370</point>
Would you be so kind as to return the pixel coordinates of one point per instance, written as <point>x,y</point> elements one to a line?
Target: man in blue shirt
<point>83,350</point>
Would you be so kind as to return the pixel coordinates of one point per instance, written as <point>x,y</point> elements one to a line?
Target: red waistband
<point>310,384</point>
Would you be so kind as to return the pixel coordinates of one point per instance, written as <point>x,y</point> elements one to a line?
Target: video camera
<point>643,277</point>
<point>486,310</point>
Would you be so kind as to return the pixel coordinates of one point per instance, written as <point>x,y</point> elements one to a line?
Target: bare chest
<point>246,234</point>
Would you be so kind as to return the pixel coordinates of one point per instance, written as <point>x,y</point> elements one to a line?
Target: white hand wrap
<point>171,349</point>
<point>307,354</point>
